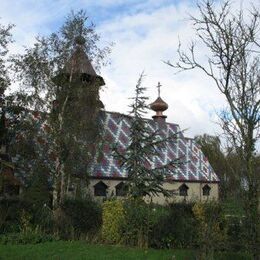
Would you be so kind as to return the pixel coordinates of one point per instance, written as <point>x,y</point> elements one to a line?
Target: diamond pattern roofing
<point>195,165</point>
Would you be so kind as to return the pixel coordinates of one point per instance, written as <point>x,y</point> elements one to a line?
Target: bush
<point>11,211</point>
<point>78,217</point>
<point>139,219</point>
<point>132,222</point>
<point>211,233</point>
<point>174,228</point>
<point>236,233</point>
<point>44,219</point>
<point>33,237</point>
<point>113,216</point>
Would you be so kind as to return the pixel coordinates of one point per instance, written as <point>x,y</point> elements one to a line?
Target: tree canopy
<point>231,40</point>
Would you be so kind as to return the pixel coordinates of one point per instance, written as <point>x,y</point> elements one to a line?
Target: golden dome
<point>159,105</point>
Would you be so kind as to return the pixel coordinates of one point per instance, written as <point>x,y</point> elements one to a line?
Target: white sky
<point>145,34</point>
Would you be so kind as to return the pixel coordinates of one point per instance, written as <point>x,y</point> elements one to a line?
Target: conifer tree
<point>143,148</point>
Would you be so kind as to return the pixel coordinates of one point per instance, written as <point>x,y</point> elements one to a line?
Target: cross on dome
<point>159,105</point>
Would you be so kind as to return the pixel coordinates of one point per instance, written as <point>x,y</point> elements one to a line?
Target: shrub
<point>10,214</point>
<point>37,194</point>
<point>138,223</point>
<point>134,223</point>
<point>25,222</point>
<point>78,217</point>
<point>113,216</point>
<point>236,233</point>
<point>32,237</point>
<point>44,219</point>
<point>211,234</point>
<point>174,228</point>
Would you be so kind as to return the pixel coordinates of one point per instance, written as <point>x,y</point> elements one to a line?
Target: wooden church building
<point>193,180</point>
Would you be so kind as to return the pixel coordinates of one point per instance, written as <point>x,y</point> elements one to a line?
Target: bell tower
<point>78,86</point>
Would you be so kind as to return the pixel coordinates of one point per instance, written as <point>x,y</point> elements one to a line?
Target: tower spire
<point>159,106</point>
<point>79,67</point>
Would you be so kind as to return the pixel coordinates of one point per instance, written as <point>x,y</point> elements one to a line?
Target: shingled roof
<point>116,130</point>
<point>195,165</point>
<point>79,63</point>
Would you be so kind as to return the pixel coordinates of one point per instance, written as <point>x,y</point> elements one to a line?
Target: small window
<point>183,190</point>
<point>206,190</point>
<point>121,189</point>
<point>100,189</point>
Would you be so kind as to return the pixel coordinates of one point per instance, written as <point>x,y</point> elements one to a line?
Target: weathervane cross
<point>159,89</point>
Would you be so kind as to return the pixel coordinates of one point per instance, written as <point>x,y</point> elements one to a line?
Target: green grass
<point>82,250</point>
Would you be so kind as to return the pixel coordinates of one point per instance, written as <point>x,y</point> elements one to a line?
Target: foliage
<point>25,222</point>
<point>236,233</point>
<point>78,217</point>
<point>226,164</point>
<point>58,104</point>
<point>139,220</point>
<point>175,227</point>
<point>21,215</point>
<point>5,40</point>
<point>144,146</point>
<point>38,192</point>
<point>11,211</point>
<point>39,65</point>
<point>211,234</point>
<point>113,218</point>
<point>231,39</point>
<point>23,238</point>
<point>43,218</point>
<point>135,223</point>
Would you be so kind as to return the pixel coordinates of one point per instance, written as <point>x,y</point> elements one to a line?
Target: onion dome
<point>159,106</point>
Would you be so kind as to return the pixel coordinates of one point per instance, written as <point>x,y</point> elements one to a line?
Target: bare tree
<point>232,41</point>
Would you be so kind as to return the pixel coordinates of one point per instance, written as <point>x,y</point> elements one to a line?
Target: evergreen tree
<point>143,148</point>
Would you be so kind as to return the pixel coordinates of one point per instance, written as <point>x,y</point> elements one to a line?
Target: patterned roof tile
<point>195,166</point>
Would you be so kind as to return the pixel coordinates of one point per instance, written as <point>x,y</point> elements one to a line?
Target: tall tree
<point>63,98</point>
<point>143,179</point>
<point>5,40</point>
<point>232,40</point>
<point>225,163</point>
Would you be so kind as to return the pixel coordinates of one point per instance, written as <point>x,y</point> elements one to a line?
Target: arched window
<point>100,189</point>
<point>183,189</point>
<point>121,189</point>
<point>206,190</point>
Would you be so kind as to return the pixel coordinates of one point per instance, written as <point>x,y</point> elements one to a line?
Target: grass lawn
<point>81,250</point>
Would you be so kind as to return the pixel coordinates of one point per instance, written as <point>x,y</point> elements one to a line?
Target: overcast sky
<point>145,34</point>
